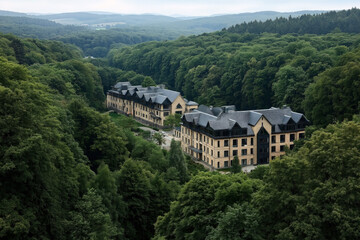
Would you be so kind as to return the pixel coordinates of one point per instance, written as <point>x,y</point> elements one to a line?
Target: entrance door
<point>262,146</point>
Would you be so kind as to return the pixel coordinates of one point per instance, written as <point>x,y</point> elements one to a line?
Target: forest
<point>257,70</point>
<point>69,170</point>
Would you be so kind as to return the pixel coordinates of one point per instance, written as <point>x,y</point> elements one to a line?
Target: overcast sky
<point>174,7</point>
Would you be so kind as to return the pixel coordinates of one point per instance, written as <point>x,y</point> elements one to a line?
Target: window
<point>243,142</point>
<point>244,152</point>
<point>212,152</point>
<point>252,141</point>
<point>244,162</point>
<point>251,161</point>
<point>218,164</point>
<point>291,146</point>
<point>166,114</point>
<point>273,149</point>
<point>218,154</point>
<point>292,137</point>
<point>226,153</point>
<point>226,163</point>
<point>235,143</point>
<point>235,152</point>
<point>273,157</point>
<point>179,106</point>
<point>226,143</point>
<point>273,139</point>
<point>211,142</point>
<point>218,142</point>
<point>301,135</point>
<point>251,151</point>
<point>282,138</point>
<point>282,148</point>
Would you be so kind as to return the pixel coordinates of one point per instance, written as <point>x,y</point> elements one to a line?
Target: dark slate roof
<point>155,94</point>
<point>227,118</point>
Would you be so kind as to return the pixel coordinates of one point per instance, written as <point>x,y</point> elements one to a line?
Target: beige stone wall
<point>212,147</point>
<point>190,108</point>
<point>277,144</point>
<point>178,100</point>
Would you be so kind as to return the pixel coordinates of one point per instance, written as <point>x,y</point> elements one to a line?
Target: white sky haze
<point>173,7</point>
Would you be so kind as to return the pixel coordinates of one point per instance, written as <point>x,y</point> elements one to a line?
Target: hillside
<point>98,19</point>
<point>70,170</point>
<point>35,28</point>
<point>250,70</point>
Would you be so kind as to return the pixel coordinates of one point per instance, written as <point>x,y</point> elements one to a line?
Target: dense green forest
<point>93,42</point>
<point>257,70</point>
<point>341,21</point>
<point>69,170</point>
<point>35,28</point>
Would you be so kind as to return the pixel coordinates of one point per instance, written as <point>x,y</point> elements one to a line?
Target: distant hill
<point>182,25</point>
<point>215,23</point>
<point>334,21</point>
<point>103,19</point>
<point>12,14</point>
<point>36,28</point>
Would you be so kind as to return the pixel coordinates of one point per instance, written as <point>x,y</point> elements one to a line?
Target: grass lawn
<point>124,121</point>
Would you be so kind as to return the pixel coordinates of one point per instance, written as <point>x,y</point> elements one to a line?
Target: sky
<point>174,7</point>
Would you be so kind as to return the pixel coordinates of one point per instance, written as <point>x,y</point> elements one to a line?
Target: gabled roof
<point>227,118</point>
<point>154,93</point>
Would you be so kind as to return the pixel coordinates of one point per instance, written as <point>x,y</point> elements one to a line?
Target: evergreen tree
<point>236,167</point>
<point>177,160</point>
<point>147,82</point>
<point>134,186</point>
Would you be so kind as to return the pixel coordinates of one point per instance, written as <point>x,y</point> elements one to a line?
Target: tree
<point>177,160</point>
<point>239,222</point>
<point>134,185</point>
<point>334,96</point>
<point>200,203</point>
<point>236,167</point>
<point>147,82</point>
<point>173,120</point>
<point>158,138</point>
<point>311,193</point>
<point>91,219</point>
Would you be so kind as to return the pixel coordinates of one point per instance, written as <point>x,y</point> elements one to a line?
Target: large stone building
<point>216,135</point>
<point>149,105</point>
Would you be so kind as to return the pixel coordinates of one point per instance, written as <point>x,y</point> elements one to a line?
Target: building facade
<point>216,135</point>
<point>150,105</point>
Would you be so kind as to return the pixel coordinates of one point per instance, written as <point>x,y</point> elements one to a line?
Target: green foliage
<point>147,82</point>
<point>173,120</point>
<point>158,138</point>
<point>259,172</point>
<point>251,71</point>
<point>177,160</point>
<point>124,122</point>
<point>312,193</point>
<point>335,95</point>
<point>31,51</point>
<point>333,21</point>
<point>37,159</point>
<point>236,167</point>
<point>237,223</point>
<point>98,136</point>
<point>73,77</point>
<point>91,219</point>
<point>199,203</point>
<point>135,189</point>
